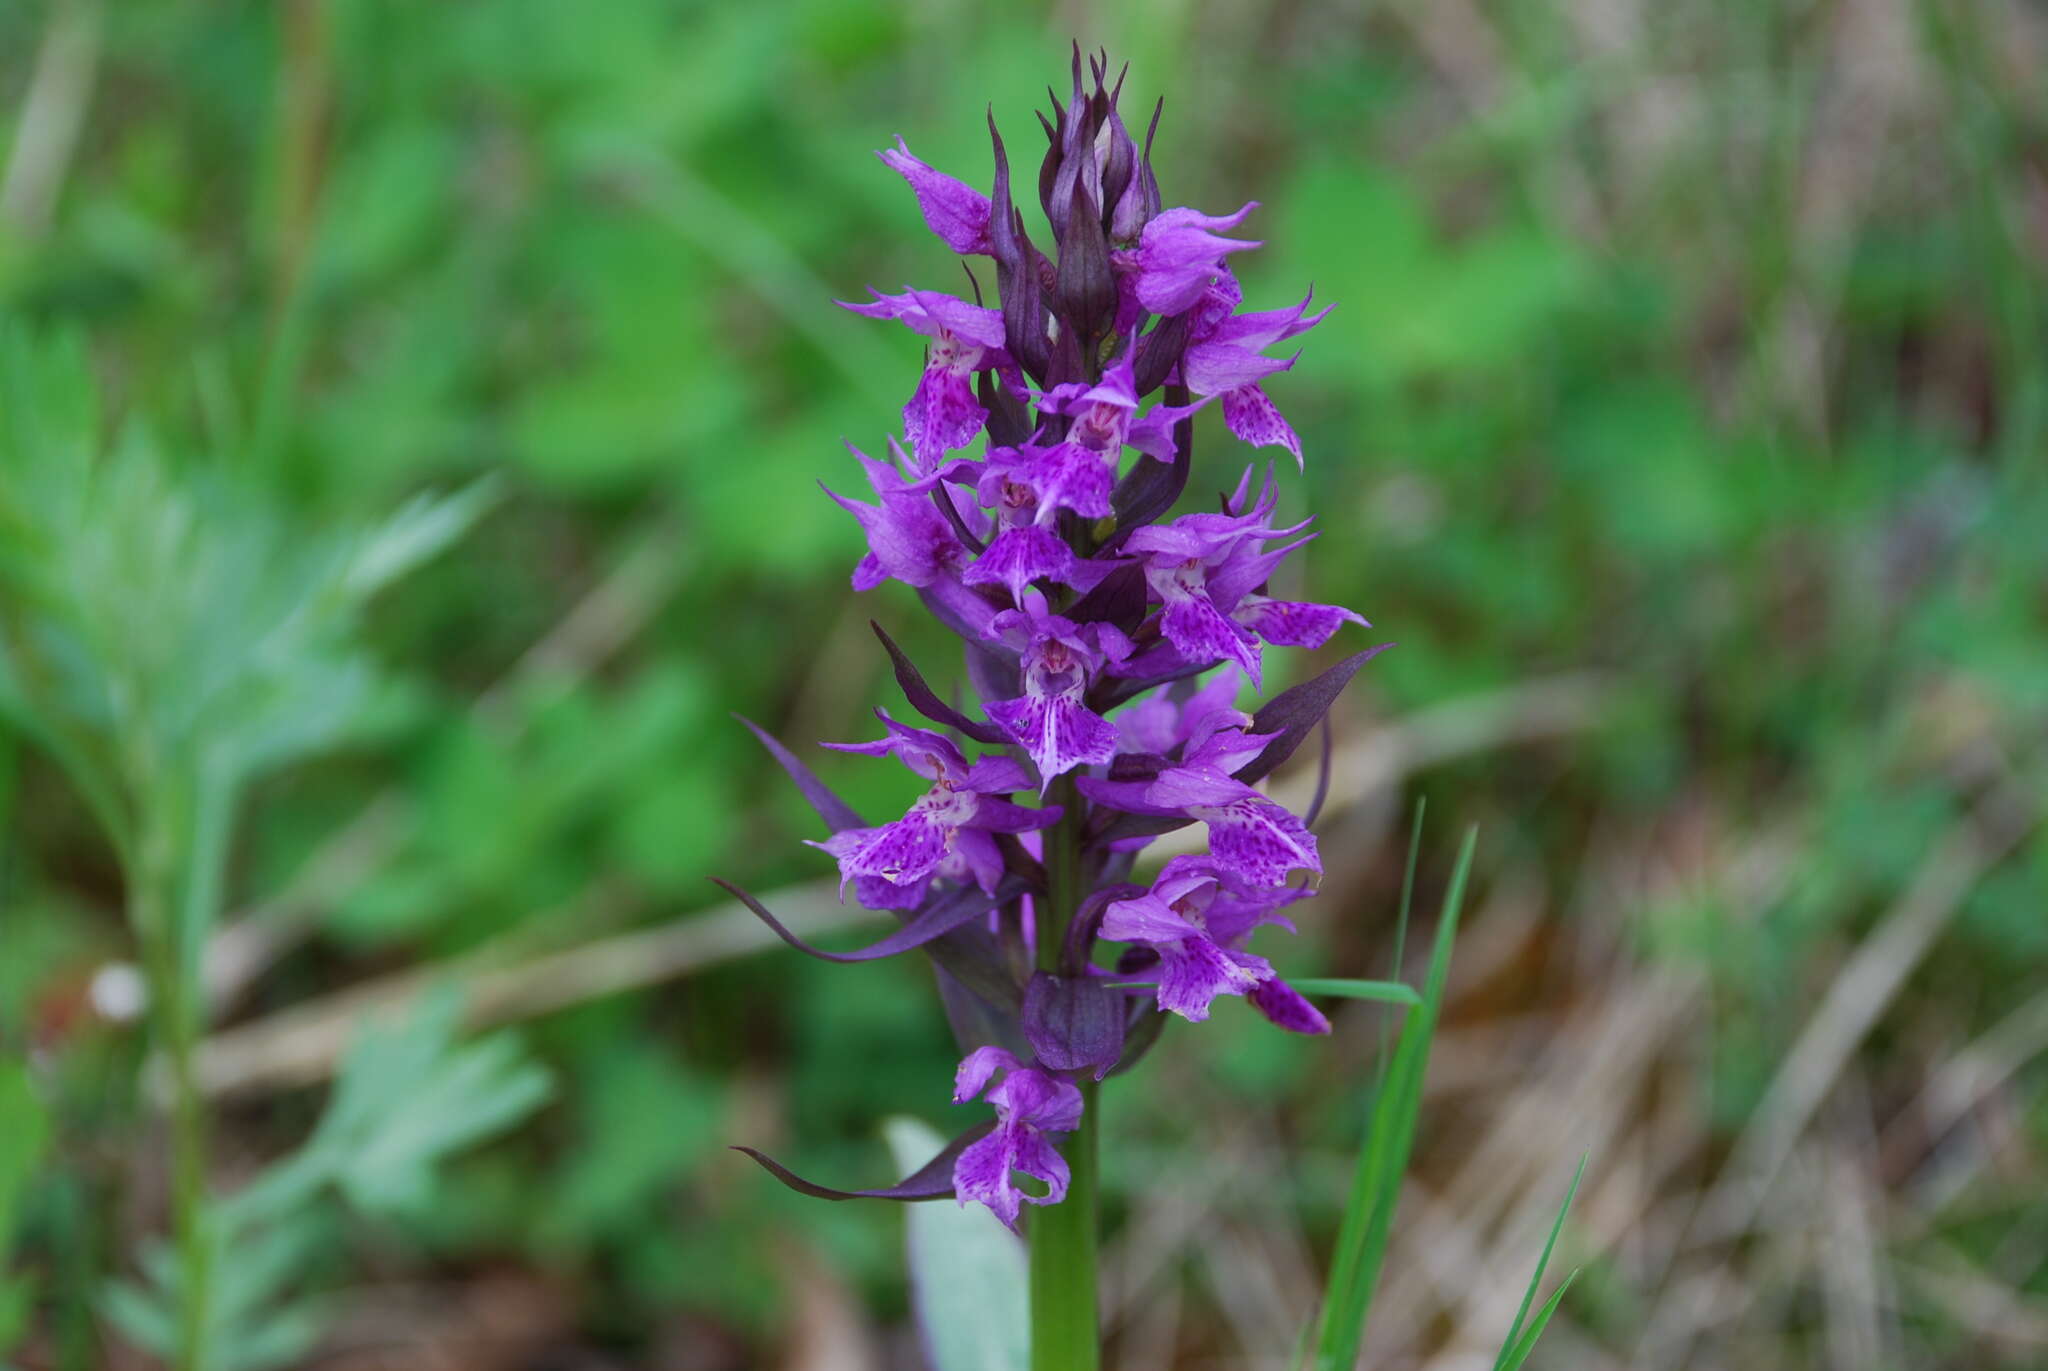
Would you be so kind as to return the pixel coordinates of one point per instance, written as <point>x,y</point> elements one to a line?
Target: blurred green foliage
<point>1648,361</point>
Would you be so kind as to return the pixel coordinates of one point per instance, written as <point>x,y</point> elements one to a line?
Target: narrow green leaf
<point>1368,1218</point>
<point>1510,1343</point>
<point>1528,1342</point>
<point>1389,992</point>
<point>1401,928</point>
<point>968,1274</point>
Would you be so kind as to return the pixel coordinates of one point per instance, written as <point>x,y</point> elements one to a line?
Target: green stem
<point>1065,1330</point>
<point>154,891</point>
<point>175,891</point>
<point>1065,1333</point>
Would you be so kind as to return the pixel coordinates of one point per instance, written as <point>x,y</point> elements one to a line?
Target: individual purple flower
<point>1029,1104</point>
<point>949,830</point>
<point>1179,559</point>
<point>1205,567</point>
<point>1062,476</point>
<point>1251,839</point>
<point>1027,487</point>
<point>1059,658</point>
<point>1106,419</point>
<point>942,414</point>
<point>1197,925</point>
<point>908,538</point>
<point>1225,356</point>
<point>952,209</point>
<point>1179,253</point>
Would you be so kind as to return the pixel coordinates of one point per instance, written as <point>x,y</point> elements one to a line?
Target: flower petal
<point>1021,555</point>
<point>1254,418</point>
<point>954,210</point>
<point>1259,842</point>
<point>1195,971</point>
<point>1292,623</point>
<point>1058,731</point>
<point>942,415</point>
<point>1284,1005</point>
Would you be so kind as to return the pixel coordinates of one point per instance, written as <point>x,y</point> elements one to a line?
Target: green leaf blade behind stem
<point>1386,992</point>
<point>967,1273</point>
<point>1368,1217</point>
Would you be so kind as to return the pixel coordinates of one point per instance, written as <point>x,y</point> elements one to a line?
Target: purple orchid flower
<point>1204,568</point>
<point>949,830</point>
<point>1106,419</point>
<point>954,210</point>
<point>1059,659</point>
<point>909,540</point>
<point>1197,925</point>
<point>1225,356</point>
<point>1088,615</point>
<point>1179,253</point>
<point>1253,840</point>
<point>942,414</point>
<point>1027,487</point>
<point>1029,1104</point>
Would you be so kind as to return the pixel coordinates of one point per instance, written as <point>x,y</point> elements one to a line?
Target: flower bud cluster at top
<point>1088,616</point>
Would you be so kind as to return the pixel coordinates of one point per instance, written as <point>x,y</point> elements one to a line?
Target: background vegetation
<point>1682,418</point>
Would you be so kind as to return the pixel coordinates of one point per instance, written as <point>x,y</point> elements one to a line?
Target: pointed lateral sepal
<point>925,700</point>
<point>935,919</point>
<point>837,813</point>
<point>1073,1023</point>
<point>932,1181</point>
<point>1294,712</point>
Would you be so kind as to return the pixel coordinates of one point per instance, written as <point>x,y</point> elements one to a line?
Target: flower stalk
<point>1064,1238</point>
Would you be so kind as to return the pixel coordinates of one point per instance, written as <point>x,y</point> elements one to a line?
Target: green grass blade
<point>1510,1345</point>
<point>1401,930</point>
<point>1527,1345</point>
<point>1368,1217</point>
<point>1387,992</point>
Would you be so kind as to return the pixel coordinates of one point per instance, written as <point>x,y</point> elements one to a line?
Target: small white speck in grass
<point>119,994</point>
